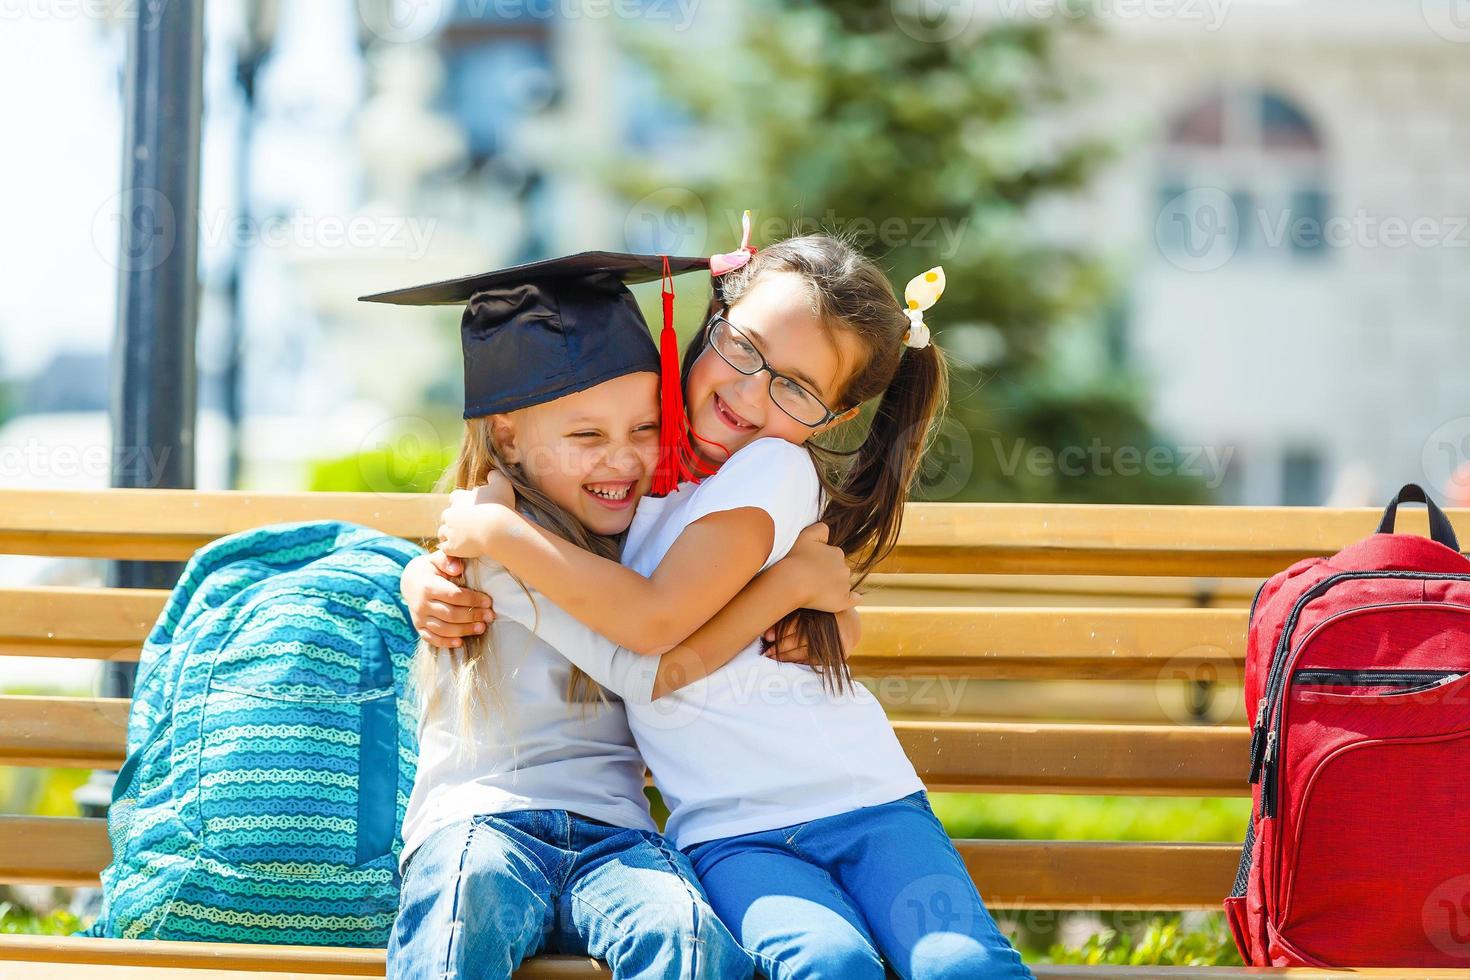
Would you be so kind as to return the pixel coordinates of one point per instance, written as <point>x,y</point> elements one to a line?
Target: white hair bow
<point>922,292</point>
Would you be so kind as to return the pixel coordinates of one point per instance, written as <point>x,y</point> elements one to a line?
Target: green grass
<point>1162,942</point>
<point>18,919</point>
<point>1042,817</point>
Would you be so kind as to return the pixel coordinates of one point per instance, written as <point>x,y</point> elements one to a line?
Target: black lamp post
<point>153,391</point>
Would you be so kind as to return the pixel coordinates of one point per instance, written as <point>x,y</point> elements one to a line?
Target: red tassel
<point>677,461</point>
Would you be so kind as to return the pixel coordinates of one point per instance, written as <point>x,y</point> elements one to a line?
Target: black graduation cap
<point>535,332</point>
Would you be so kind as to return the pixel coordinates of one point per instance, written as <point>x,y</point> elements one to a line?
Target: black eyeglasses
<point>790,395</point>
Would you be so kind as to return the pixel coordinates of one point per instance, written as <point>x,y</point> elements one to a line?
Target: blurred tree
<point>925,149</point>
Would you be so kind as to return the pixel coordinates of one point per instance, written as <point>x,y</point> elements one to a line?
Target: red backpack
<point>1357,681</point>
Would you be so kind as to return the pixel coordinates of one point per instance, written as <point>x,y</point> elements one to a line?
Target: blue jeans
<point>481,895</point>
<point>840,896</point>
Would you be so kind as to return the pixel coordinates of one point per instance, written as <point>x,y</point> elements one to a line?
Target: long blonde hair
<point>475,668</point>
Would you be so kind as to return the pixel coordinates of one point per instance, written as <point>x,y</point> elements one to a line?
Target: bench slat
<point>1090,539</point>
<point>104,971</point>
<point>898,641</point>
<point>959,589</point>
<point>1028,874</point>
<point>172,524</point>
<point>67,851</point>
<point>1170,760</point>
<point>1009,873</point>
<point>79,733</point>
<point>103,624</point>
<point>57,958</point>
<point>1039,643</point>
<point>48,958</point>
<point>343,960</point>
<point>1128,539</point>
<point>540,968</point>
<point>1022,757</point>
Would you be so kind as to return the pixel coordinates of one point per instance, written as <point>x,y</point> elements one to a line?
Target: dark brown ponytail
<point>865,508</point>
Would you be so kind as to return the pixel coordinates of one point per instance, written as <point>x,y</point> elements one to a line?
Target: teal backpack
<point>271,746</point>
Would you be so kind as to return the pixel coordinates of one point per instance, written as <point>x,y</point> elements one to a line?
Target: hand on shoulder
<point>467,523</point>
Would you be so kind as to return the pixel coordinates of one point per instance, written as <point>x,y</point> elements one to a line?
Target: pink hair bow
<point>730,261</point>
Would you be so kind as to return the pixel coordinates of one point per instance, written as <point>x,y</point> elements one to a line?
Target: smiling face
<point>731,409</point>
<point>593,452</point>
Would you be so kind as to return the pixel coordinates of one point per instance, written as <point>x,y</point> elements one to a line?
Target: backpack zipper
<point>1406,680</point>
<point>1255,599</point>
<point>1258,727</point>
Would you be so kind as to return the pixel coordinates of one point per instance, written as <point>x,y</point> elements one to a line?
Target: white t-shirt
<point>535,750</point>
<point>758,744</point>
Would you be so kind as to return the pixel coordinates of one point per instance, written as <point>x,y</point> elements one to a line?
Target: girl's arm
<point>712,560</point>
<point>797,581</point>
<point>813,575</point>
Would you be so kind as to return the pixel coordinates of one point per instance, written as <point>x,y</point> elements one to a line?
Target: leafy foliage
<point>16,918</point>
<point>839,116</point>
<point>1163,942</point>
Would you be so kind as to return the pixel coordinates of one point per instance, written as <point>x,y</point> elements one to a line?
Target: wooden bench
<point>1161,639</point>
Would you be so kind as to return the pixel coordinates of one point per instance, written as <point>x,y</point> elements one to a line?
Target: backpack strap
<point>1440,528</point>
<point>1388,551</point>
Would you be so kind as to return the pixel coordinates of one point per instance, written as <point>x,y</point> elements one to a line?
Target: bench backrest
<point>1143,594</point>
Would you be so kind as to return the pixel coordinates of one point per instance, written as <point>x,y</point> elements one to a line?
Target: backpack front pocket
<point>1378,842</point>
<point>294,735</point>
<point>297,785</point>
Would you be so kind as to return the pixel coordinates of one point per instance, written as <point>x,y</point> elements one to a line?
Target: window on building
<point>1260,152</point>
<point>498,72</point>
<point>1230,484</point>
<point>1301,478</point>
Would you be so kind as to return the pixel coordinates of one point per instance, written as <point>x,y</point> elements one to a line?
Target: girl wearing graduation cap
<point>528,830</point>
<point>787,787</point>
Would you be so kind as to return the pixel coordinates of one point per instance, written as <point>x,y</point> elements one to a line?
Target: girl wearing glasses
<point>786,785</point>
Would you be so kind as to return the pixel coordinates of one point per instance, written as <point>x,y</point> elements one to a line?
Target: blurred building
<point>1293,219</point>
<point>1290,217</point>
<point>1287,220</point>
